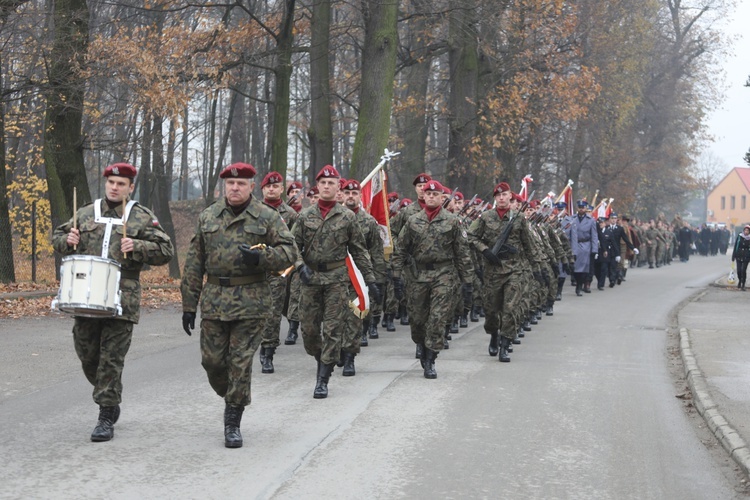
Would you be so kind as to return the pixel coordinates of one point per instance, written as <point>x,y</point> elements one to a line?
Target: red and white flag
<point>361,305</point>
<point>375,202</point>
<point>525,183</point>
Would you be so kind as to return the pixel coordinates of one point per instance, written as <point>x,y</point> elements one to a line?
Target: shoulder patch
<point>464,234</point>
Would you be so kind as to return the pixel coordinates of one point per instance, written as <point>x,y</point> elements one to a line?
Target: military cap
<point>582,204</point>
<point>613,214</point>
<point>501,188</point>
<point>392,196</point>
<point>328,172</point>
<point>433,185</point>
<point>447,190</point>
<point>238,171</point>
<point>459,195</point>
<point>516,197</point>
<point>421,179</point>
<point>352,185</point>
<point>121,170</point>
<point>342,182</point>
<point>405,203</point>
<point>533,203</point>
<point>561,205</point>
<point>478,201</point>
<point>293,185</point>
<point>313,191</point>
<point>271,178</point>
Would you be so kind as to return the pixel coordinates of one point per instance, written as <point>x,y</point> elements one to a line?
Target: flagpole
<point>387,155</point>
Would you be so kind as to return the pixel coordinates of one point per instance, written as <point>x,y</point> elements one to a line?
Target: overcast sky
<point>730,124</point>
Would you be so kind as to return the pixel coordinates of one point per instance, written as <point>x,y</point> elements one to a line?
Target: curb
<point>729,438</point>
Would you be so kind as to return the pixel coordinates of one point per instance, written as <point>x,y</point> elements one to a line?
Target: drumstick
<point>75,209</point>
<point>124,226</point>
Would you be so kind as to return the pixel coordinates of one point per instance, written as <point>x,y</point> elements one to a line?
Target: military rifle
<point>501,247</point>
<point>468,205</point>
<point>450,198</point>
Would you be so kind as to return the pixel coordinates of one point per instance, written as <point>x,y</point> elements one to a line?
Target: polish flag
<point>360,305</point>
<point>525,183</point>
<point>375,202</point>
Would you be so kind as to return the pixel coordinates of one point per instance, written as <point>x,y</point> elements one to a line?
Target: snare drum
<point>89,287</point>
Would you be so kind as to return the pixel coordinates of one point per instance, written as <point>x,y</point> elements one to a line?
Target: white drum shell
<point>89,287</point>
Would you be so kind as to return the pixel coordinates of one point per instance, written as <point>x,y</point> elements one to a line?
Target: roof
<point>744,174</point>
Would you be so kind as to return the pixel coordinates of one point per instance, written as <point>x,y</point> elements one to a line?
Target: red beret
<point>501,188</point>
<point>516,197</point>
<point>342,182</point>
<point>421,179</point>
<point>392,196</point>
<point>447,190</point>
<point>238,171</point>
<point>459,195</point>
<point>405,203</point>
<point>478,201</point>
<point>329,172</point>
<point>121,170</point>
<point>271,178</point>
<point>533,203</point>
<point>293,185</point>
<point>352,185</point>
<point>313,191</point>
<point>433,186</point>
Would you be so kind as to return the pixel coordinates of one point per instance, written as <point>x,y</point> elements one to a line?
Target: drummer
<point>98,229</point>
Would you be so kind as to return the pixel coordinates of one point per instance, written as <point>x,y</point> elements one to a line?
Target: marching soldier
<point>237,242</point>
<point>324,233</point>
<point>132,237</point>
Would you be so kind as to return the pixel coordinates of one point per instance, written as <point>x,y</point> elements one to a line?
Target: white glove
<point>617,259</point>
<point>596,256</point>
<point>635,251</point>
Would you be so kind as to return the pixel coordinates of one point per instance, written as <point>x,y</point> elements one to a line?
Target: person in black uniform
<point>609,254</point>
<point>741,254</point>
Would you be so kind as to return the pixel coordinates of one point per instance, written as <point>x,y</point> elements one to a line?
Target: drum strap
<point>110,221</point>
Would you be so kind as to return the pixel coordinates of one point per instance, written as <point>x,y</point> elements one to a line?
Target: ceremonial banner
<point>525,183</point>
<point>361,305</point>
<point>375,202</point>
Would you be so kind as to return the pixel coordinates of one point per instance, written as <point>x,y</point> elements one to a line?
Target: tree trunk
<point>283,73</point>
<point>213,180</point>
<point>320,131</point>
<point>376,89</point>
<point>7,268</point>
<point>144,180</point>
<point>162,189</point>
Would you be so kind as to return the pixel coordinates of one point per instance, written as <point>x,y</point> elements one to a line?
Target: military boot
<point>526,326</point>
<point>232,419</point>
<point>349,370</point>
<point>578,290</point>
<point>446,337</point>
<point>533,318</point>
<point>492,349</point>
<point>291,336</point>
<point>419,352</point>
<point>550,306</point>
<point>503,353</point>
<point>539,314</point>
<point>389,326</point>
<point>453,326</point>
<point>321,386</point>
<point>365,330</point>
<point>384,324</point>
<point>474,315</point>
<point>404,315</point>
<point>515,341</point>
<point>267,362</point>
<point>463,321</point>
<point>587,287</point>
<point>481,312</point>
<point>429,363</point>
<point>374,327</point>
<point>105,426</point>
<point>560,284</point>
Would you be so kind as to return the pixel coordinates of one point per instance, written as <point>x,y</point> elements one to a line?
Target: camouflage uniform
<point>323,246</point>
<point>435,251</point>
<point>101,344</point>
<point>397,224</point>
<point>236,300</point>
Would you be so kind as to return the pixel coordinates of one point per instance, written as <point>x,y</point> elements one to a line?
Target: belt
<point>584,241</point>
<point>130,275</point>
<point>236,280</point>
<point>328,266</point>
<point>431,266</point>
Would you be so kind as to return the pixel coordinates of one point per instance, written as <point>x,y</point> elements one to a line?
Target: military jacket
<point>214,251</point>
<point>151,245</point>
<point>435,249</point>
<point>374,242</point>
<point>323,242</point>
<point>484,232</point>
<point>288,214</point>
<point>397,223</point>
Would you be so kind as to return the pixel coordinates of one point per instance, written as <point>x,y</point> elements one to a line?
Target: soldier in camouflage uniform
<point>272,186</point>
<point>435,247</point>
<point>362,328</point>
<point>503,273</point>
<point>237,242</point>
<point>294,197</point>
<point>651,236</point>
<point>102,343</point>
<point>324,233</point>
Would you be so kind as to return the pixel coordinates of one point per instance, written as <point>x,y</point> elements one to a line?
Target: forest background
<point>611,95</point>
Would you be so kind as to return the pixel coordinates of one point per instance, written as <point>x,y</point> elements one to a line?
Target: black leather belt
<point>431,266</point>
<point>236,280</point>
<point>130,275</point>
<point>329,266</point>
<point>584,241</point>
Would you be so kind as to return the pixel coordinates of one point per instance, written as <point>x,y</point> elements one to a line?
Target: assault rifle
<point>468,205</point>
<point>450,198</point>
<point>291,200</point>
<point>501,248</point>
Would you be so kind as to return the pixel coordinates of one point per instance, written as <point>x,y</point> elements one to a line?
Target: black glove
<point>491,257</point>
<point>398,288</point>
<point>188,322</point>
<point>251,257</point>
<point>305,274</point>
<point>480,273</point>
<point>567,269</point>
<point>375,293</point>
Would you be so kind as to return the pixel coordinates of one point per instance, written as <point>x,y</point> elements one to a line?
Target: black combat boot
<point>532,318</point>
<point>453,327</point>
<point>291,336</point>
<point>267,361</point>
<point>515,341</point>
<point>587,287</point>
<point>374,327</point>
<point>492,349</point>
<point>474,316</point>
<point>384,324</point>
<point>503,353</point>
<point>446,337</point>
<point>105,426</point>
<point>429,363</point>
<point>321,386</point>
<point>526,326</point>
<point>404,315</point>
<point>349,370</point>
<point>232,419</point>
<point>539,314</point>
<point>550,305</point>
<point>481,312</point>
<point>463,321</point>
<point>578,290</point>
<point>419,352</point>
<point>560,284</point>
<point>365,330</point>
<point>117,414</point>
<point>389,326</point>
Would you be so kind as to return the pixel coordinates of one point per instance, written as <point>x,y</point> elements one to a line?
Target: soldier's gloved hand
<point>305,274</point>
<point>491,257</point>
<point>398,288</point>
<point>617,259</point>
<point>567,269</point>
<point>636,251</point>
<point>596,256</point>
<point>250,256</point>
<point>375,293</point>
<point>188,322</point>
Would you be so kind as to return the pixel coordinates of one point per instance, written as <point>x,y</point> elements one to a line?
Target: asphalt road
<point>585,410</point>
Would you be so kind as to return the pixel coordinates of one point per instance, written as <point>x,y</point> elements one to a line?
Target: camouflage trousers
<point>272,328</point>
<point>322,312</point>
<point>353,326</point>
<point>651,253</point>
<point>292,312</point>
<point>227,350</point>
<point>101,345</point>
<point>430,306</point>
<point>389,301</point>
<point>503,296</point>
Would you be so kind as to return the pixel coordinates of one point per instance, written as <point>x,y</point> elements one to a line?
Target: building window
<point>743,202</point>
<point>731,203</point>
<point>723,202</point>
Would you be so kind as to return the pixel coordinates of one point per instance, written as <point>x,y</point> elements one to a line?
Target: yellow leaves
<point>29,190</point>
